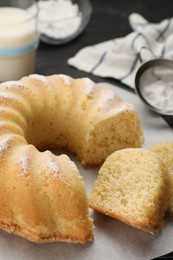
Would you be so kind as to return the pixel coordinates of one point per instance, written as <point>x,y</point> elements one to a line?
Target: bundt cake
<point>132,187</point>
<point>43,197</point>
<point>165,150</point>
<point>76,114</point>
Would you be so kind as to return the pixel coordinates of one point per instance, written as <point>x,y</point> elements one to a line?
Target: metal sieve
<point>154,82</point>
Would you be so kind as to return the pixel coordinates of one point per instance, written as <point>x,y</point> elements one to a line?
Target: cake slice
<point>132,187</point>
<point>165,150</point>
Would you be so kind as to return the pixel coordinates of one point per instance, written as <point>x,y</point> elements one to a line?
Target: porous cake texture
<point>132,186</point>
<point>165,151</point>
<point>92,121</point>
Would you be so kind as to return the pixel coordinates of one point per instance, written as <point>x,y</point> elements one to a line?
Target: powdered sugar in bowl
<point>60,21</point>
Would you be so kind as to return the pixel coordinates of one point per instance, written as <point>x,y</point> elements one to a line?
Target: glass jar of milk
<point>18,38</point>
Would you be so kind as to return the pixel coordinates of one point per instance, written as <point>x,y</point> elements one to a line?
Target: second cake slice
<point>132,187</point>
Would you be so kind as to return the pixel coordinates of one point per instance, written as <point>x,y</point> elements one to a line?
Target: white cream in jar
<point>18,43</point>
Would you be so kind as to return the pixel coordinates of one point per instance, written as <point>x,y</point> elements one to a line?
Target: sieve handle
<point>146,54</point>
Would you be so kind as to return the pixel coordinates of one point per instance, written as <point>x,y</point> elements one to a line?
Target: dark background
<point>109,20</point>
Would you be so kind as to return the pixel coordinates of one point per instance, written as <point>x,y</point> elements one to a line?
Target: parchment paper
<point>113,240</point>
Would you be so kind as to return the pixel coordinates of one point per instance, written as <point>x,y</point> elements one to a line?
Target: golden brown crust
<point>43,197</point>
<point>148,226</point>
<point>41,238</point>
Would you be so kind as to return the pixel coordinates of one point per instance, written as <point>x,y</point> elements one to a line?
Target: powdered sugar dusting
<point>53,168</point>
<point>39,77</point>
<point>110,102</point>
<point>23,163</point>
<point>13,84</point>
<point>67,79</point>
<point>130,107</point>
<point>72,166</point>
<point>8,95</point>
<point>5,143</point>
<point>121,108</point>
<point>124,107</point>
<point>89,86</point>
<point>107,100</point>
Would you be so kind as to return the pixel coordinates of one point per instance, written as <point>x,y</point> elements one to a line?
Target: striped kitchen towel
<point>118,58</point>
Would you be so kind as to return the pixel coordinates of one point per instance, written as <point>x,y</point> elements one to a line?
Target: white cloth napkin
<point>118,58</point>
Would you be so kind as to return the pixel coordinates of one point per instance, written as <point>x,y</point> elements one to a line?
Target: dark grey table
<point>109,20</point>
